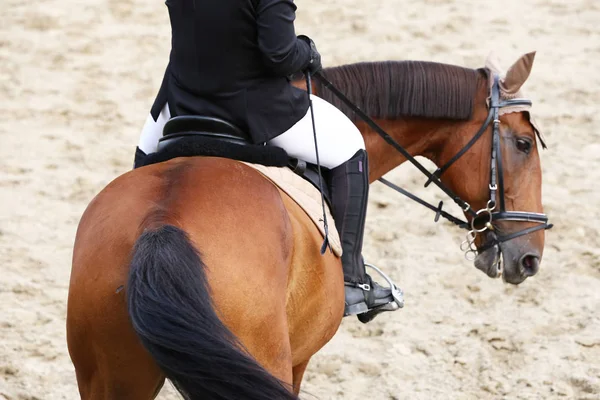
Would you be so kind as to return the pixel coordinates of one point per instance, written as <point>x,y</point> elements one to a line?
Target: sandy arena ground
<point>76,83</point>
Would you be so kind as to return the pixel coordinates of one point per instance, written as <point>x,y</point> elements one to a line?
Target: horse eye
<point>524,145</point>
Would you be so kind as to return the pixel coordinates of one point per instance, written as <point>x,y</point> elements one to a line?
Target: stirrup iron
<point>397,293</point>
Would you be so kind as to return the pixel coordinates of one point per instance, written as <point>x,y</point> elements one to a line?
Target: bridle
<point>482,220</point>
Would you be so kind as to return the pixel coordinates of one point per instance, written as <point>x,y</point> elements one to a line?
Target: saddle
<point>191,136</point>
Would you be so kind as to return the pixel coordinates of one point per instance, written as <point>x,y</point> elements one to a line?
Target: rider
<point>231,59</point>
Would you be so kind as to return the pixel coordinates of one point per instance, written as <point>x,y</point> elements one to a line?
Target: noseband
<point>495,210</point>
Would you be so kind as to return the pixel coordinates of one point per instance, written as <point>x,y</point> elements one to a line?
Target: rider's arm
<point>283,52</point>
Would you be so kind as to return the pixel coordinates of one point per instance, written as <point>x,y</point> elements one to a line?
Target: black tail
<point>172,312</point>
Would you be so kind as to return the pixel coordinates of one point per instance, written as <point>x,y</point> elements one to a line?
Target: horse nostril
<point>530,264</point>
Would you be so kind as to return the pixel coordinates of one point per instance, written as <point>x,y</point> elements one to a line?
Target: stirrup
<point>397,293</point>
<point>366,312</point>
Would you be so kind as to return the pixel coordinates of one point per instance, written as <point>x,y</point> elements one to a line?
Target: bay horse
<point>201,271</point>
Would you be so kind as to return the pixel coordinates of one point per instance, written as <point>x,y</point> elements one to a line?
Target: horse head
<point>500,177</point>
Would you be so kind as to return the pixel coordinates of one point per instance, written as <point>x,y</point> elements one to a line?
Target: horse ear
<point>518,73</point>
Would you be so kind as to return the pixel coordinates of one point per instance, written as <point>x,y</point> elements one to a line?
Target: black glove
<point>314,65</point>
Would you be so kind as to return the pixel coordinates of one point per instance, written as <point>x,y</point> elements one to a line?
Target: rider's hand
<point>314,64</point>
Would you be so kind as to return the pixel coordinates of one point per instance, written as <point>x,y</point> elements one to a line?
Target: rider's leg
<point>151,133</point>
<point>341,149</point>
<point>338,138</point>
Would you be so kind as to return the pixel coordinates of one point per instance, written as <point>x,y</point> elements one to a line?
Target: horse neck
<point>434,139</point>
<point>419,136</point>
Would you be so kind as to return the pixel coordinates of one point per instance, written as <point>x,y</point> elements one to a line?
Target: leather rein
<point>495,210</point>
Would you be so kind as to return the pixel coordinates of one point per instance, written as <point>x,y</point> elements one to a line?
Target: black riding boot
<point>349,185</point>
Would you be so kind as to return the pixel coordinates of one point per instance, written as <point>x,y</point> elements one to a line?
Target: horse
<point>200,270</point>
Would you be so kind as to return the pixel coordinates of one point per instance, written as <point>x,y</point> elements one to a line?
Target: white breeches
<point>338,138</point>
<point>153,131</point>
